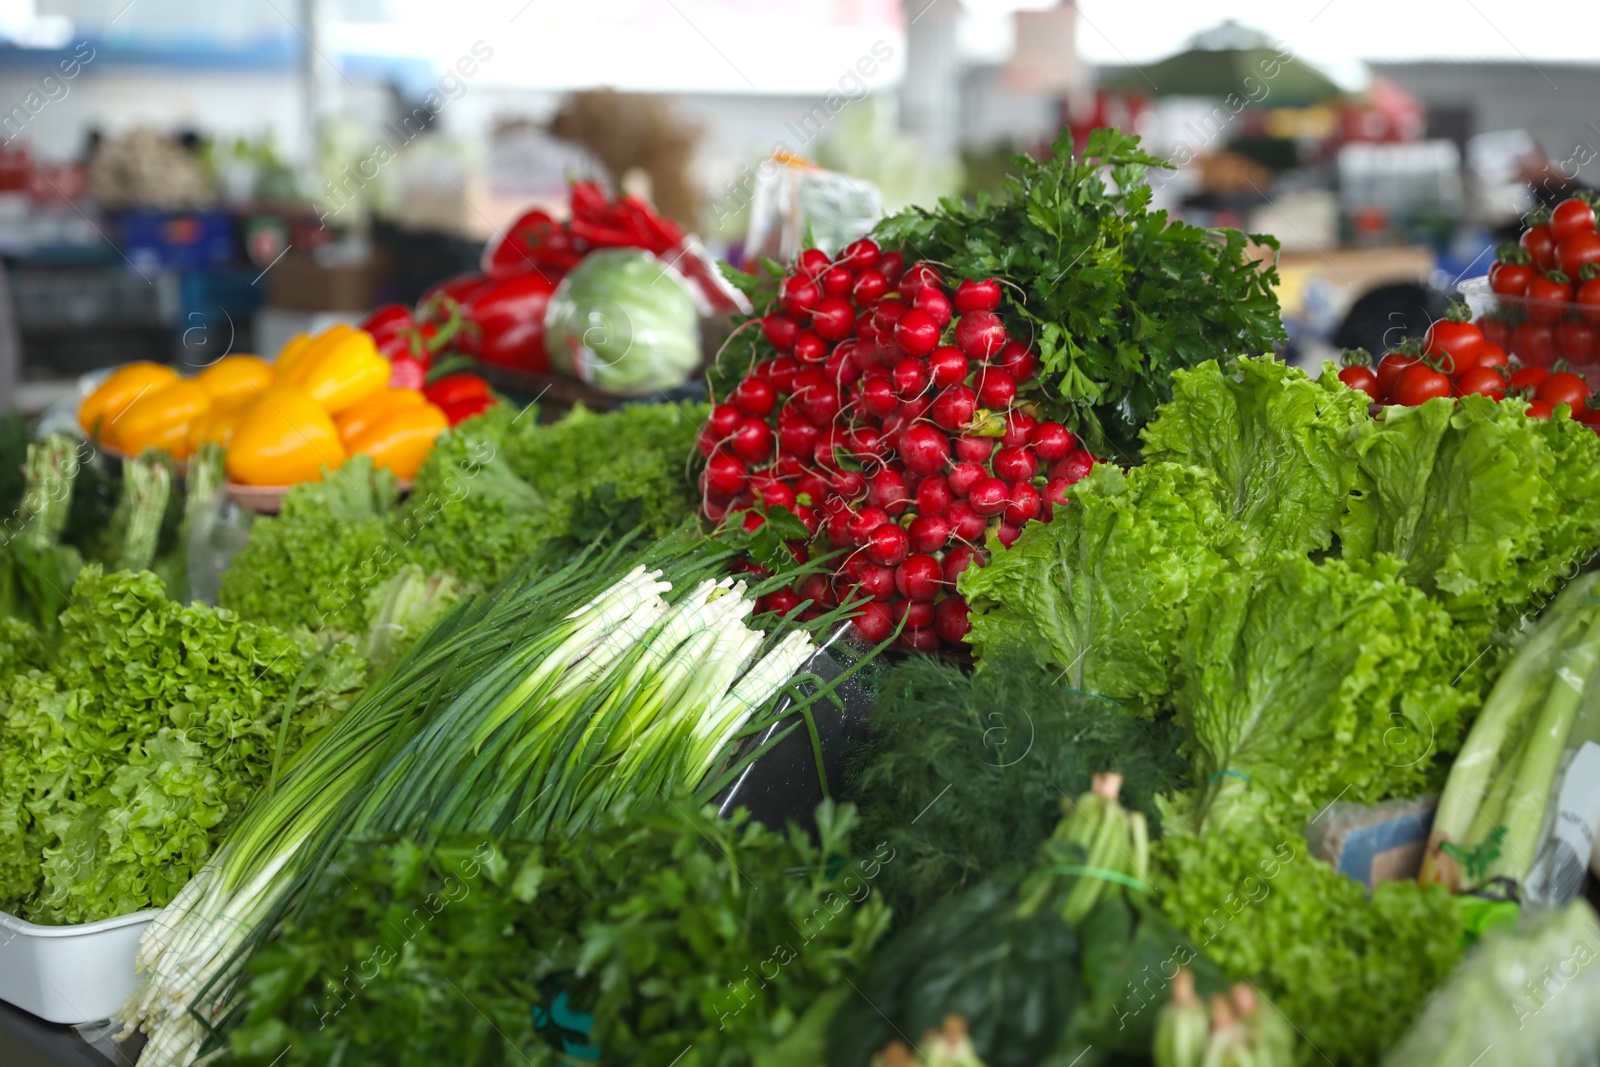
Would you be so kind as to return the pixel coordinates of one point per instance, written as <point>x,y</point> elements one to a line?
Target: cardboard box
<point>299,283</point>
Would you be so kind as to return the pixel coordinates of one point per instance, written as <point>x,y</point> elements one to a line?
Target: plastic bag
<point>793,198</point>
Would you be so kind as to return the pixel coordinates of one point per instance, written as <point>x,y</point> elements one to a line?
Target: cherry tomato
<point>1538,409</point>
<point>1541,245</point>
<point>1573,252</point>
<point>1547,298</point>
<point>1362,378</point>
<point>1564,387</point>
<point>1459,341</point>
<point>1494,332</point>
<point>1575,341</point>
<point>1588,300</point>
<point>1390,368</point>
<point>1571,217</point>
<point>1482,380</point>
<point>1534,343</point>
<point>1510,279</point>
<point>1418,384</point>
<point>1527,378</point>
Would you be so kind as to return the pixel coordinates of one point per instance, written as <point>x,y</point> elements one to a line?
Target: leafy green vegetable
<point>1100,591</point>
<point>965,771</point>
<point>1115,296</point>
<point>124,756</point>
<point>1487,508</point>
<point>625,323</point>
<point>1319,681</point>
<point>676,936</point>
<point>1276,440</point>
<point>1350,972</point>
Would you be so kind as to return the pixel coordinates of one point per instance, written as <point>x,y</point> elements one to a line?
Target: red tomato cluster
<point>1551,285</point>
<point>888,421</point>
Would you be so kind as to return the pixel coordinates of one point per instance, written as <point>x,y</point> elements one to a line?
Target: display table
<point>27,1041</point>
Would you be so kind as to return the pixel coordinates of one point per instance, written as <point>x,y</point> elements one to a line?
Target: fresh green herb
<point>1116,297</point>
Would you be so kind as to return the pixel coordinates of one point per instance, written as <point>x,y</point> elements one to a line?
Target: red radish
<point>782,373</point>
<point>755,396</point>
<point>977,449</point>
<point>813,262</point>
<point>877,396</point>
<point>929,533</point>
<point>725,419</point>
<point>1019,429</point>
<point>870,287</point>
<point>924,449</point>
<point>913,408</point>
<point>892,264</point>
<point>799,294</point>
<point>964,475</point>
<point>817,589</point>
<point>772,493</point>
<point>753,521</point>
<point>820,403</point>
<point>920,639</point>
<point>917,614</point>
<point>932,300</point>
<point>788,467</point>
<point>780,601</point>
<point>826,452</point>
<point>916,332</point>
<point>1017,361</point>
<point>808,517</point>
<point>1015,465</point>
<point>1055,492</point>
<point>886,313</point>
<point>724,474</point>
<point>919,577</point>
<point>959,559</point>
<point>919,277</point>
<point>875,581</point>
<point>717,510</point>
<point>1073,467</point>
<point>951,620</point>
<point>910,377</point>
<point>752,440</point>
<point>780,330</point>
<point>996,388</point>
<point>874,622</point>
<point>837,281</point>
<point>833,318</point>
<point>887,490</point>
<point>933,495</point>
<point>954,408</point>
<point>837,519</point>
<point>864,522</point>
<point>888,544</point>
<point>705,441</point>
<point>812,489</point>
<point>1025,504</point>
<point>977,295</point>
<point>840,368</point>
<point>852,485</point>
<point>860,254</point>
<point>866,445</point>
<point>1051,441</point>
<point>989,497</point>
<point>1007,534</point>
<point>980,334</point>
<point>947,365</point>
<point>965,523</point>
<point>809,348</point>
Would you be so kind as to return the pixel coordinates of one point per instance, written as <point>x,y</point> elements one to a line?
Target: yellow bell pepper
<point>367,412</point>
<point>216,426</point>
<point>125,385</point>
<point>339,367</point>
<point>400,442</point>
<point>234,378</point>
<point>160,419</point>
<point>284,438</point>
<point>291,354</point>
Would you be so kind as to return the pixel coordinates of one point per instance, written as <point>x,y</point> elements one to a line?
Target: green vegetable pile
<point>661,935</point>
<point>1115,296</point>
<point>492,492</point>
<point>128,750</point>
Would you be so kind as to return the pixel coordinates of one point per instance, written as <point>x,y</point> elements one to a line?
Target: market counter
<point>27,1041</point>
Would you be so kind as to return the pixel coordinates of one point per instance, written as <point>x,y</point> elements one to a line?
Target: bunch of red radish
<point>1456,359</point>
<point>896,419</point>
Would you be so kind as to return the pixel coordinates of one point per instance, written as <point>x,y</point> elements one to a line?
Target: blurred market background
<point>183,178</point>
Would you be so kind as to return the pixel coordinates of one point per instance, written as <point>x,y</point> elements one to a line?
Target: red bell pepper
<point>383,321</point>
<point>436,302</point>
<point>509,316</point>
<point>455,388</point>
<point>511,254</point>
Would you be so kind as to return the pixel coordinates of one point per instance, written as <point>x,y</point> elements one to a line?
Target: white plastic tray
<point>70,974</point>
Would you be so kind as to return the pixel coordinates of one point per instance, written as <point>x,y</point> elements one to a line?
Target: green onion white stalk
<point>526,712</point>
